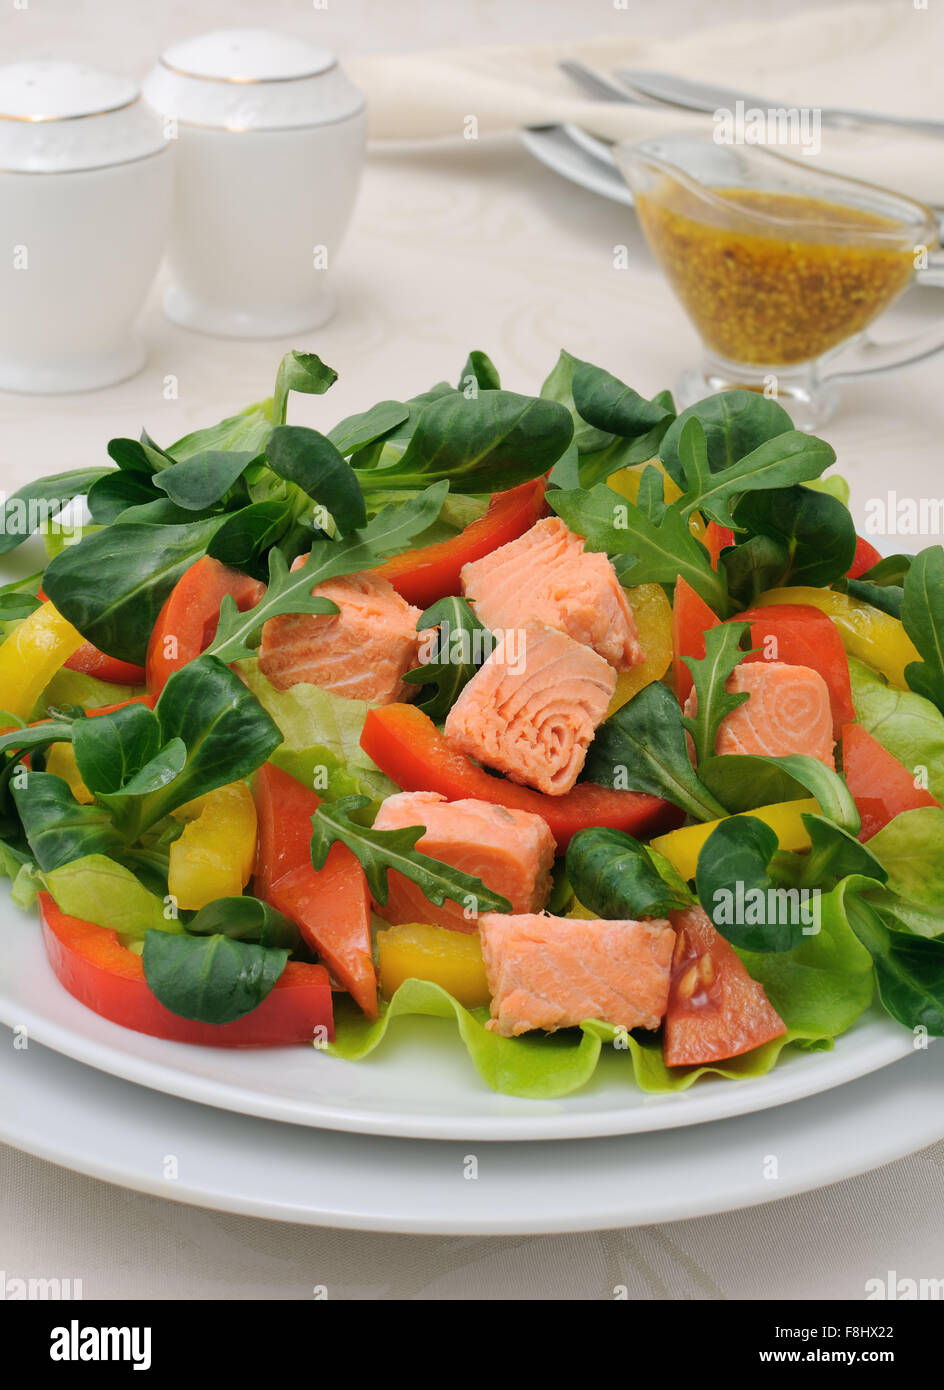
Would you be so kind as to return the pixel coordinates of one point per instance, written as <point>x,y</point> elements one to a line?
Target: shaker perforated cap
<point>59,117</point>
<point>250,79</point>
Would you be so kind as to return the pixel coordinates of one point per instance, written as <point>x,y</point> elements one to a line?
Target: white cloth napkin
<point>883,58</point>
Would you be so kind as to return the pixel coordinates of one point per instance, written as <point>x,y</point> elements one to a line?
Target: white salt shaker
<point>270,135</point>
<point>85,196</point>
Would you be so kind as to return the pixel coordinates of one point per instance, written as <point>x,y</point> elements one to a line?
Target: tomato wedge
<point>715,1009</point>
<point>881,786</point>
<point>865,557</point>
<point>331,908</point>
<point>804,636</point>
<point>284,808</point>
<point>406,745</point>
<point>691,619</point>
<point>91,963</point>
<point>716,538</point>
<point>431,572</point>
<point>187,623</point>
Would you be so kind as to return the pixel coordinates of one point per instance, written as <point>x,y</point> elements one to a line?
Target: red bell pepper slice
<point>406,745</point>
<point>91,662</point>
<point>716,538</point>
<point>881,786</point>
<point>331,908</point>
<point>804,636</point>
<point>91,963</point>
<point>284,808</point>
<point>691,619</point>
<point>187,623</point>
<point>865,557</point>
<point>431,572</point>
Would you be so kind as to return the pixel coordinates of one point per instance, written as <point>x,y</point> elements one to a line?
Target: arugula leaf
<point>112,585</point>
<point>722,654</point>
<point>817,531</point>
<point>203,479</point>
<point>616,876</point>
<point>379,851</point>
<point>655,552</point>
<point>310,461</point>
<point>909,970</point>
<point>480,371</point>
<point>748,906</point>
<point>389,532</point>
<point>300,371</point>
<point>39,501</point>
<point>357,431</point>
<point>493,440</point>
<point>211,979</point>
<point>58,829</point>
<point>245,919</point>
<point>922,613</point>
<point>735,423</point>
<point>789,458</point>
<point>642,748</point>
<point>452,662</point>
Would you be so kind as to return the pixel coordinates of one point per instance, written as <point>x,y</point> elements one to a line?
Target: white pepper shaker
<point>270,135</point>
<point>85,196</point>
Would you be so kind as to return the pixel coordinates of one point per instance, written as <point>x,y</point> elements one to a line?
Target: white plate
<point>288,1173</point>
<point>419,1085</point>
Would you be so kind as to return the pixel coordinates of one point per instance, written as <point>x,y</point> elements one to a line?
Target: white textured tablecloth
<point>459,246</point>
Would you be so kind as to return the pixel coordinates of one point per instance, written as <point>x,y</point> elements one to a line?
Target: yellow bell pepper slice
<point>626,483</point>
<point>653,614</point>
<point>867,633</point>
<point>60,761</point>
<point>215,855</point>
<point>31,656</point>
<point>421,951</point>
<point>682,847</point>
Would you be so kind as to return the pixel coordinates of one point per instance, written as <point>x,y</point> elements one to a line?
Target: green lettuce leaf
<point>76,688</point>
<point>99,890</point>
<point>908,725</point>
<point>310,718</point>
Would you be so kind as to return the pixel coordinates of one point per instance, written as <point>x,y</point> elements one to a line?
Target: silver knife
<point>706,96</point>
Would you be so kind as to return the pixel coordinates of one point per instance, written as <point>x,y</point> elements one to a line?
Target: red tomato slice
<point>715,1009</point>
<point>865,557</point>
<point>691,619</point>
<point>716,538</point>
<point>284,807</point>
<point>881,786</point>
<point>91,963</point>
<point>187,623</point>
<point>331,907</point>
<point>431,572</point>
<point>406,745</point>
<point>803,636</point>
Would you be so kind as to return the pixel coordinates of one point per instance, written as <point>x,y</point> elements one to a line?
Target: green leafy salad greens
<point>292,506</point>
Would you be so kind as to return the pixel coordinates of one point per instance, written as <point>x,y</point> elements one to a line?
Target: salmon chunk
<point>512,852</point>
<point>554,972</point>
<point>547,576</point>
<point>788,712</point>
<point>361,652</point>
<point>532,708</point>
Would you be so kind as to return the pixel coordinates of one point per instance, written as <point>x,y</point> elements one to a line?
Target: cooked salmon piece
<point>360,652</point>
<point>554,972</point>
<point>788,711</point>
<point>547,576</point>
<point>512,852</point>
<point>531,709</point>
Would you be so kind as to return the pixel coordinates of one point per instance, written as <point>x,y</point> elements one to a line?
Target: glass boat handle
<point>866,355</point>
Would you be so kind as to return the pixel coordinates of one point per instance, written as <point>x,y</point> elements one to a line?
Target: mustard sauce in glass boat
<point>781,268</point>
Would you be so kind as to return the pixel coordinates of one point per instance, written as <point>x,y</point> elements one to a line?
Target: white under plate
<point>419,1085</point>
<point>290,1173</point>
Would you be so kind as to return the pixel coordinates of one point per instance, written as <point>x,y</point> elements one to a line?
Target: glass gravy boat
<point>780,267</point>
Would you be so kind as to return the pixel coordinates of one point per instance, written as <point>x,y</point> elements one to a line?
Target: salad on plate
<point>574,719</point>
